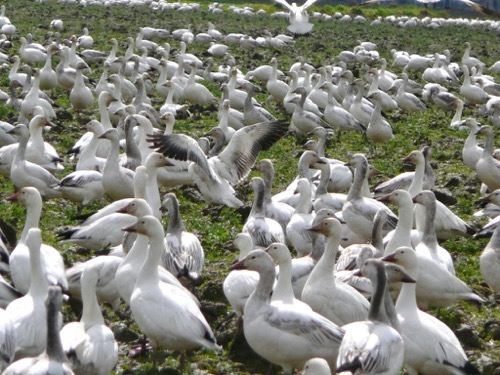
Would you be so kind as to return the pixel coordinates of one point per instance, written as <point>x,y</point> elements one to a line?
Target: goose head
<point>425,198</point>
<point>414,157</point>
<point>398,196</point>
<point>328,227</point>
<point>20,130</point>
<point>137,207</point>
<point>279,252</point>
<point>146,225</point>
<point>396,274</point>
<point>157,160</point>
<point>25,195</point>
<point>493,197</point>
<point>406,257</point>
<point>256,260</point>
<point>356,161</point>
<point>110,134</point>
<point>485,130</point>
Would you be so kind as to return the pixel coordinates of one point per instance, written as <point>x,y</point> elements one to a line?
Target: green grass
<point>214,226</point>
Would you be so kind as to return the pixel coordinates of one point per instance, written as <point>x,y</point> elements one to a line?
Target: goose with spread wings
<point>214,176</point>
<point>299,19</point>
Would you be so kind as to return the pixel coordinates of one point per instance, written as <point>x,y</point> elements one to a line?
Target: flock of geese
<point>353,300</point>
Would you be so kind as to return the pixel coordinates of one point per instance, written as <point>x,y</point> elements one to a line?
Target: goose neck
<point>283,290</point>
<point>377,307</point>
<point>33,212</point>
<point>54,348</point>
<point>148,275</point>
<point>357,183</point>
<point>91,314</point>
<point>175,223</point>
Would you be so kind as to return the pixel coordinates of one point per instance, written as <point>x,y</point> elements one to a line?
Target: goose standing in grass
<point>81,187</point>
<point>51,260</point>
<point>358,212</point>
<point>53,361</point>
<point>184,255</point>
<point>333,299</point>
<point>407,101</point>
<point>117,181</point>
<point>373,346</point>
<point>196,93</point>
<point>168,316</point>
<point>378,129</point>
<point>489,261</point>
<point>284,334</point>
<point>263,230</point>
<point>473,94</point>
<point>279,211</point>
<point>239,284</point>
<point>471,152</point>
<point>48,76</point>
<point>487,167</point>
<point>88,160</point>
<point>80,96</point>
<point>25,173</point>
<point>28,313</point>
<point>430,346</point>
<point>277,89</point>
<point>89,344</point>
<point>304,121</point>
<point>468,60</point>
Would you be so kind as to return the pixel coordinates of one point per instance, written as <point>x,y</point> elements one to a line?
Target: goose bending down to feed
<point>430,346</point>
<point>89,343</point>
<point>183,255</point>
<point>282,333</point>
<point>336,301</point>
<point>164,313</point>
<point>53,361</point>
<point>215,175</point>
<point>373,346</point>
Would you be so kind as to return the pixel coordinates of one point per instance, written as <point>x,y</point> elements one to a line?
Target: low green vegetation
<point>214,225</point>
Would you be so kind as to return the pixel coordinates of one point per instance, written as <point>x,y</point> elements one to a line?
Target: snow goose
<point>358,211</point>
<point>28,313</point>
<point>388,103</point>
<point>403,180</point>
<point>429,244</point>
<point>239,284</point>
<point>277,89</point>
<point>33,99</point>
<point>444,99</point>
<point>128,270</point>
<point>487,167</point>
<point>106,289</point>
<point>298,17</point>
<point>52,262</point>
<point>156,305</point>
<point>436,74</point>
<point>279,211</point>
<point>89,344</point>
<point>401,236</point>
<point>407,101</point>
<point>80,96</point>
<point>7,341</point>
<point>48,76</point>
<point>30,55</point>
<point>316,366</point>
<point>435,349</point>
<point>489,261</point>
<point>284,334</point>
<point>195,92</point>
<point>297,234</point>
<point>14,75</point>
<point>304,121</point>
<point>85,40</point>
<point>82,187</point>
<point>25,173</point>
<point>117,181</point>
<point>37,150</point>
<point>53,360</point>
<point>263,230</point>
<point>184,255</point>
<point>283,289</point>
<point>360,107</point>
<point>333,299</point>
<point>232,165</point>
<point>468,60</point>
<point>88,160</point>
<point>251,113</point>
<point>373,346</point>
<point>378,129</point>
<point>337,116</point>
<point>472,94</point>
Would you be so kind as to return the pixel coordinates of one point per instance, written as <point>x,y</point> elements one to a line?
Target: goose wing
<point>181,147</point>
<point>308,3</point>
<point>285,4</point>
<point>236,160</point>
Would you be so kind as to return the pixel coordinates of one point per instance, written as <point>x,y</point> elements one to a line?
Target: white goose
<point>407,101</point>
<point>373,346</point>
<point>378,130</point>
<point>184,255</point>
<point>28,313</point>
<point>471,152</point>
<point>487,167</point>
<point>80,96</point>
<point>281,333</point>
<point>489,261</point>
<point>263,230</point>
<point>430,346</point>
<point>358,212</point>
<point>81,187</point>
<point>51,260</point>
<point>316,366</point>
<point>89,343</point>
<point>156,306</point>
<point>473,94</point>
<point>239,284</point>
<point>333,299</point>
<point>53,360</point>
<point>7,341</point>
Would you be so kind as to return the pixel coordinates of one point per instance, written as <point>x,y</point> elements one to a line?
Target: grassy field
<point>477,328</point>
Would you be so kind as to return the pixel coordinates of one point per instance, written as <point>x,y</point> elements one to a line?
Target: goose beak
<point>407,279</point>
<point>12,198</point>
<point>123,210</point>
<point>238,265</point>
<point>384,198</point>
<point>315,229</point>
<point>130,228</point>
<point>357,273</point>
<point>390,258</point>
<point>229,245</point>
